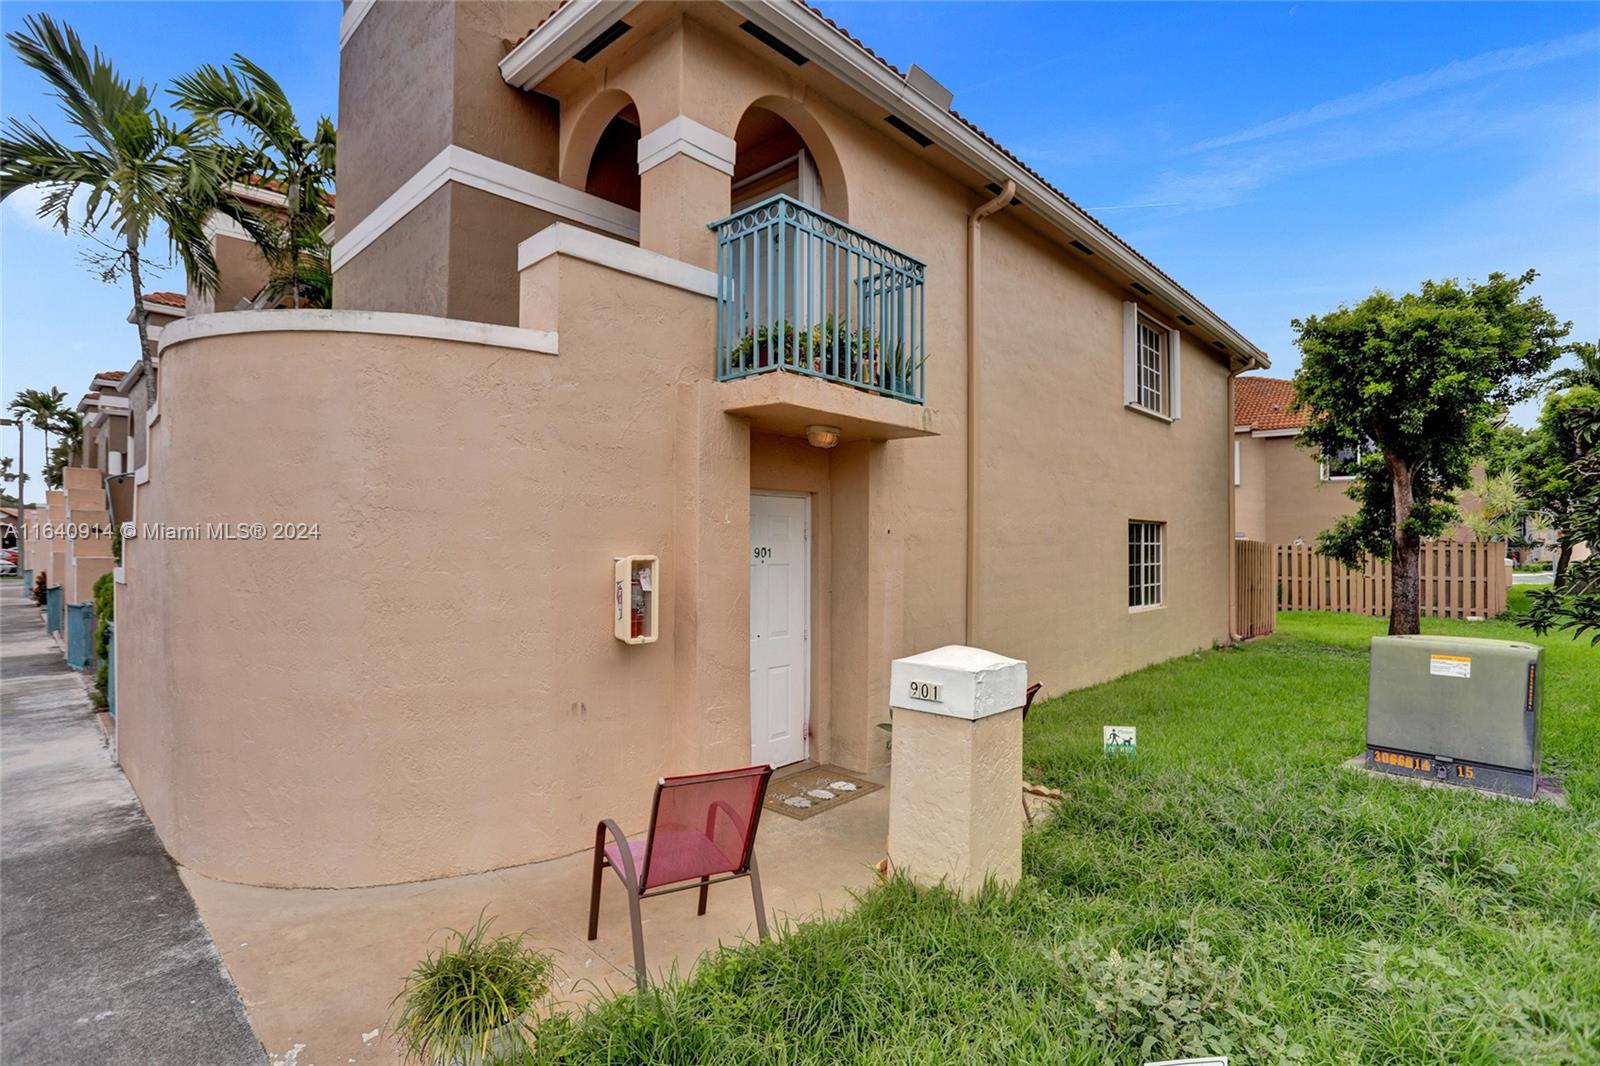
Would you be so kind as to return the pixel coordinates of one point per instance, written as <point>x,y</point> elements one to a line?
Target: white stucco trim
<point>152,414</point>
<point>684,136</point>
<point>386,323</point>
<point>1274,432</point>
<point>566,31</point>
<point>141,476</point>
<point>353,15</point>
<point>220,224</point>
<point>466,167</point>
<point>597,248</point>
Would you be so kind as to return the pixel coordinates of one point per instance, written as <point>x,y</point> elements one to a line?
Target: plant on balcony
<point>828,348</point>
<point>467,1004</point>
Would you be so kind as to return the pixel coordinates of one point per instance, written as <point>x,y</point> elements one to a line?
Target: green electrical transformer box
<point>1461,710</point>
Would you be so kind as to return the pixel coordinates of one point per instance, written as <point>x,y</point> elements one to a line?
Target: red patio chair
<point>1033,690</point>
<point>702,832</point>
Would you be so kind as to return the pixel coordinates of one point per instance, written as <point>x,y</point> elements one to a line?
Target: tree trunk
<point>1404,608</point>
<point>1562,559</point>
<point>141,322</point>
<point>292,202</point>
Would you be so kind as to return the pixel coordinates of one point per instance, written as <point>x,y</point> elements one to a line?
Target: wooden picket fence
<point>1254,589</point>
<point>1458,579</point>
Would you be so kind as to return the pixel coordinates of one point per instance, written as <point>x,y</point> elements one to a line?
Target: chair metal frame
<point>634,880</point>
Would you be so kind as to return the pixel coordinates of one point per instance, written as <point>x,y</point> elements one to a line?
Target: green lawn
<point>1230,891</point>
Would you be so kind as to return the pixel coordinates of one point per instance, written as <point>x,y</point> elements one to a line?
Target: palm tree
<point>280,157</point>
<point>69,438</point>
<point>1587,372</point>
<point>6,478</point>
<point>136,167</point>
<point>43,409</point>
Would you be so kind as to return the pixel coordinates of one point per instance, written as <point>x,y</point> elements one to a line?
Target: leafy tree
<point>1569,429</point>
<point>42,409</point>
<point>1551,465</point>
<point>1414,382</point>
<point>1587,372</point>
<point>278,156</point>
<point>134,167</point>
<point>6,478</point>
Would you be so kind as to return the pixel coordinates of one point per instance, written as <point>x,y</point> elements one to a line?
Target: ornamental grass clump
<point>467,1004</point>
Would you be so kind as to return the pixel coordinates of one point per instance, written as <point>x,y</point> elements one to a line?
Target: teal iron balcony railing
<point>798,290</point>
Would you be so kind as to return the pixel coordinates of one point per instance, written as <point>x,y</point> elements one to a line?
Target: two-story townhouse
<point>708,284</point>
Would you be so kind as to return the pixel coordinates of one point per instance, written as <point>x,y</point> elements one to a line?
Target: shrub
<point>105,603</point>
<point>468,1002</point>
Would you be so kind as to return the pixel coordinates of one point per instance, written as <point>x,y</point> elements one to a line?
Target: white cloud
<point>22,208</point>
<point>1459,72</point>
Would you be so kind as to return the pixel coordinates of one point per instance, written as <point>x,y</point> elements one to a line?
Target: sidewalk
<point>105,958</point>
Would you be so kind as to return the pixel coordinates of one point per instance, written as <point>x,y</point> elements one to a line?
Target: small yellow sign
<point>1450,665</point>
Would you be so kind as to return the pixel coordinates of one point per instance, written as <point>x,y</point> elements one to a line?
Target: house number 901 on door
<point>760,554</point>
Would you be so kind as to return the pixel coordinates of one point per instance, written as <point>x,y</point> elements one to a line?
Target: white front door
<point>780,662</point>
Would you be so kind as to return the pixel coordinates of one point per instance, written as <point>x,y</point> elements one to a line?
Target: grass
<point>1231,890</point>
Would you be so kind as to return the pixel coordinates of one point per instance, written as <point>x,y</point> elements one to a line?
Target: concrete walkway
<point>105,958</point>
<point>318,967</point>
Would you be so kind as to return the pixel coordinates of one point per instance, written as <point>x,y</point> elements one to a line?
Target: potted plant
<point>468,1003</point>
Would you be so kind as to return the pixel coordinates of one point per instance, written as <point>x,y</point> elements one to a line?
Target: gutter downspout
<point>1234,636</point>
<point>974,223</point>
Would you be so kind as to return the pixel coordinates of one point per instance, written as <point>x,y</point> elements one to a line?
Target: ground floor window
<point>1144,563</point>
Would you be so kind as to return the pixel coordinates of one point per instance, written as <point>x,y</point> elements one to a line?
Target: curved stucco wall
<point>430,686</point>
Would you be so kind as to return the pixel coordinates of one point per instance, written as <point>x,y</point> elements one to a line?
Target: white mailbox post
<point>955,801</point>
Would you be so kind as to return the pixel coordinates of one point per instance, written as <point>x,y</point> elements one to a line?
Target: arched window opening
<point>614,166</point>
<point>772,158</point>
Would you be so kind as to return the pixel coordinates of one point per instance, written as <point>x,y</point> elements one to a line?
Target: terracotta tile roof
<point>171,299</point>
<point>113,375</point>
<point>1263,403</point>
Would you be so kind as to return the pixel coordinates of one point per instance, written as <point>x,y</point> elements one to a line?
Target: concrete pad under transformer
<point>957,767</point>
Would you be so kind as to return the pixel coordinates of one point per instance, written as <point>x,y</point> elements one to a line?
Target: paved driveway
<point>105,959</point>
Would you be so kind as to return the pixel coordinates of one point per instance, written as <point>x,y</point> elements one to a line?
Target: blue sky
<point>1277,159</point>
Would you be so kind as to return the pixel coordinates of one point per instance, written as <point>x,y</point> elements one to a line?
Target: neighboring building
<point>1283,492</point>
<point>920,401</point>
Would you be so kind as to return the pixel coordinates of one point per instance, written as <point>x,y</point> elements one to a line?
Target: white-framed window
<point>1343,464</point>
<point>1146,542</point>
<point>1152,368</point>
<point>1151,372</point>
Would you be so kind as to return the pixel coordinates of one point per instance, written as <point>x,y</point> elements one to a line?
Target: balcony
<point>802,292</point>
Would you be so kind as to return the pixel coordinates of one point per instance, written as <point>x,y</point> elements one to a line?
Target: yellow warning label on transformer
<point>1450,665</point>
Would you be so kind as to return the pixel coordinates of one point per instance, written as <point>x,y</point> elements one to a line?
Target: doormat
<point>820,788</point>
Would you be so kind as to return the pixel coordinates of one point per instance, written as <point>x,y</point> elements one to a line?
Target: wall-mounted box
<point>634,594</point>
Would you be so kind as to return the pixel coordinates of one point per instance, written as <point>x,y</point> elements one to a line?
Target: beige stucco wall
<point>390,721</point>
<point>1250,488</point>
<point>1299,503</point>
<point>414,78</point>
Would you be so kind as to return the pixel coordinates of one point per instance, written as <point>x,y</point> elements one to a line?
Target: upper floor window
<point>1151,369</point>
<point>1345,463</point>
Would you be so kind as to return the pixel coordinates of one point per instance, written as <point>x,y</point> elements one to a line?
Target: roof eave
<point>537,56</point>
<point>570,28</point>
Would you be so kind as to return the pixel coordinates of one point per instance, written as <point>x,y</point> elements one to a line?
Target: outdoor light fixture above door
<point>822,436</point>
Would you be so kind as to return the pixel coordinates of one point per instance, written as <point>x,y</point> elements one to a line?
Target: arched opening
<point>613,172</point>
<point>781,147</point>
<point>772,157</point>
<point>805,292</point>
